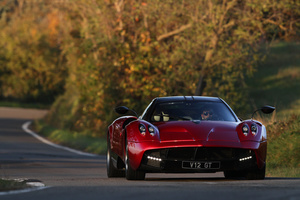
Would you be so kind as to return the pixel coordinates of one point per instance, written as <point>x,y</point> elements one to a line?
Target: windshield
<point>194,110</point>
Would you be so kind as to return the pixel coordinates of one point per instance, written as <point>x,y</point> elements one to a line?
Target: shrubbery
<point>90,56</point>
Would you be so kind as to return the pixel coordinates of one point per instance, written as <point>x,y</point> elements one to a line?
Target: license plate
<point>201,165</point>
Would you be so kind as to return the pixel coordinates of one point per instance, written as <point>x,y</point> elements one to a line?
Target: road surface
<point>68,175</point>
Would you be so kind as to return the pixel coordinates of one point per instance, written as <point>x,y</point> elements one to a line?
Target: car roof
<point>187,98</point>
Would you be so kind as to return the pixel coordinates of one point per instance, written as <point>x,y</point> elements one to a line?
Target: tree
<point>128,52</point>
<point>102,53</point>
<point>32,65</point>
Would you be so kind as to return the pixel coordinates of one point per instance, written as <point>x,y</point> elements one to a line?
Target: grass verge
<point>291,172</point>
<point>76,140</point>
<point>7,185</point>
<point>283,148</point>
<point>277,83</point>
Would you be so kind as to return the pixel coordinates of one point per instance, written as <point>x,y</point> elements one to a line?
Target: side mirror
<point>123,110</point>
<point>265,109</point>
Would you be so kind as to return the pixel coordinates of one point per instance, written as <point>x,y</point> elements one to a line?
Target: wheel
<point>111,170</point>
<point>130,173</point>
<point>258,174</point>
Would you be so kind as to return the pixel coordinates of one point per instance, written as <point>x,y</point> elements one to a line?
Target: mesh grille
<point>201,153</point>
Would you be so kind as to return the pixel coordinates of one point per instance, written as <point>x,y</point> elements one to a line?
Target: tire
<point>258,174</point>
<point>111,170</point>
<point>233,174</point>
<point>130,173</point>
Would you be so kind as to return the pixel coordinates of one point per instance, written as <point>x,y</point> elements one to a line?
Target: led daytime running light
<point>153,158</point>
<point>246,158</point>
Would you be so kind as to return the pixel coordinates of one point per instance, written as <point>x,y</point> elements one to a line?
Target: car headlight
<point>151,130</point>
<point>245,129</point>
<point>142,129</point>
<point>253,129</point>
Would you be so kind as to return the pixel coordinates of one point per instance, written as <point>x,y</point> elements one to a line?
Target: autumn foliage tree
<point>102,53</point>
<point>32,66</point>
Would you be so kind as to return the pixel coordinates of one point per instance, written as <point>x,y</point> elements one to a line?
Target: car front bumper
<point>198,159</point>
<point>161,157</point>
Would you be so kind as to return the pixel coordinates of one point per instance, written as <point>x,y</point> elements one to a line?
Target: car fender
<point>137,142</point>
<point>116,134</point>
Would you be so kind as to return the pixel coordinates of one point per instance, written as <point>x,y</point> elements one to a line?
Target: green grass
<point>6,185</point>
<point>277,83</point>
<point>291,172</point>
<point>78,140</point>
<point>277,80</point>
<point>283,148</point>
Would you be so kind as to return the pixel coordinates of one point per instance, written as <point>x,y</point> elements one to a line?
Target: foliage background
<point>84,57</point>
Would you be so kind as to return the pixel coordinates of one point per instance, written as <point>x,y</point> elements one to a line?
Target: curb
<point>33,185</point>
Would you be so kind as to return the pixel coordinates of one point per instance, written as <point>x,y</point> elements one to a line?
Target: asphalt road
<point>68,175</point>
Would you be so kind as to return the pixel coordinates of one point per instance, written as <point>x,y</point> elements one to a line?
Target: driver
<point>206,114</point>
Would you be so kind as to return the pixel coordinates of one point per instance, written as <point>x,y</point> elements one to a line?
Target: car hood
<point>198,130</point>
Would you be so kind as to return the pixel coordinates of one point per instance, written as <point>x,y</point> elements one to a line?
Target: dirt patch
<point>21,113</point>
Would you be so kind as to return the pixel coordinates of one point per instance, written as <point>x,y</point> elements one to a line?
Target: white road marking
<point>36,184</point>
<point>27,130</point>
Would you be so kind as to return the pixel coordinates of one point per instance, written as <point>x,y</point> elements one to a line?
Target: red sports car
<point>186,134</point>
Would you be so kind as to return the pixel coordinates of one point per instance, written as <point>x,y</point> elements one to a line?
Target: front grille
<point>180,153</point>
<point>200,153</point>
<point>170,159</point>
<point>216,153</point>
